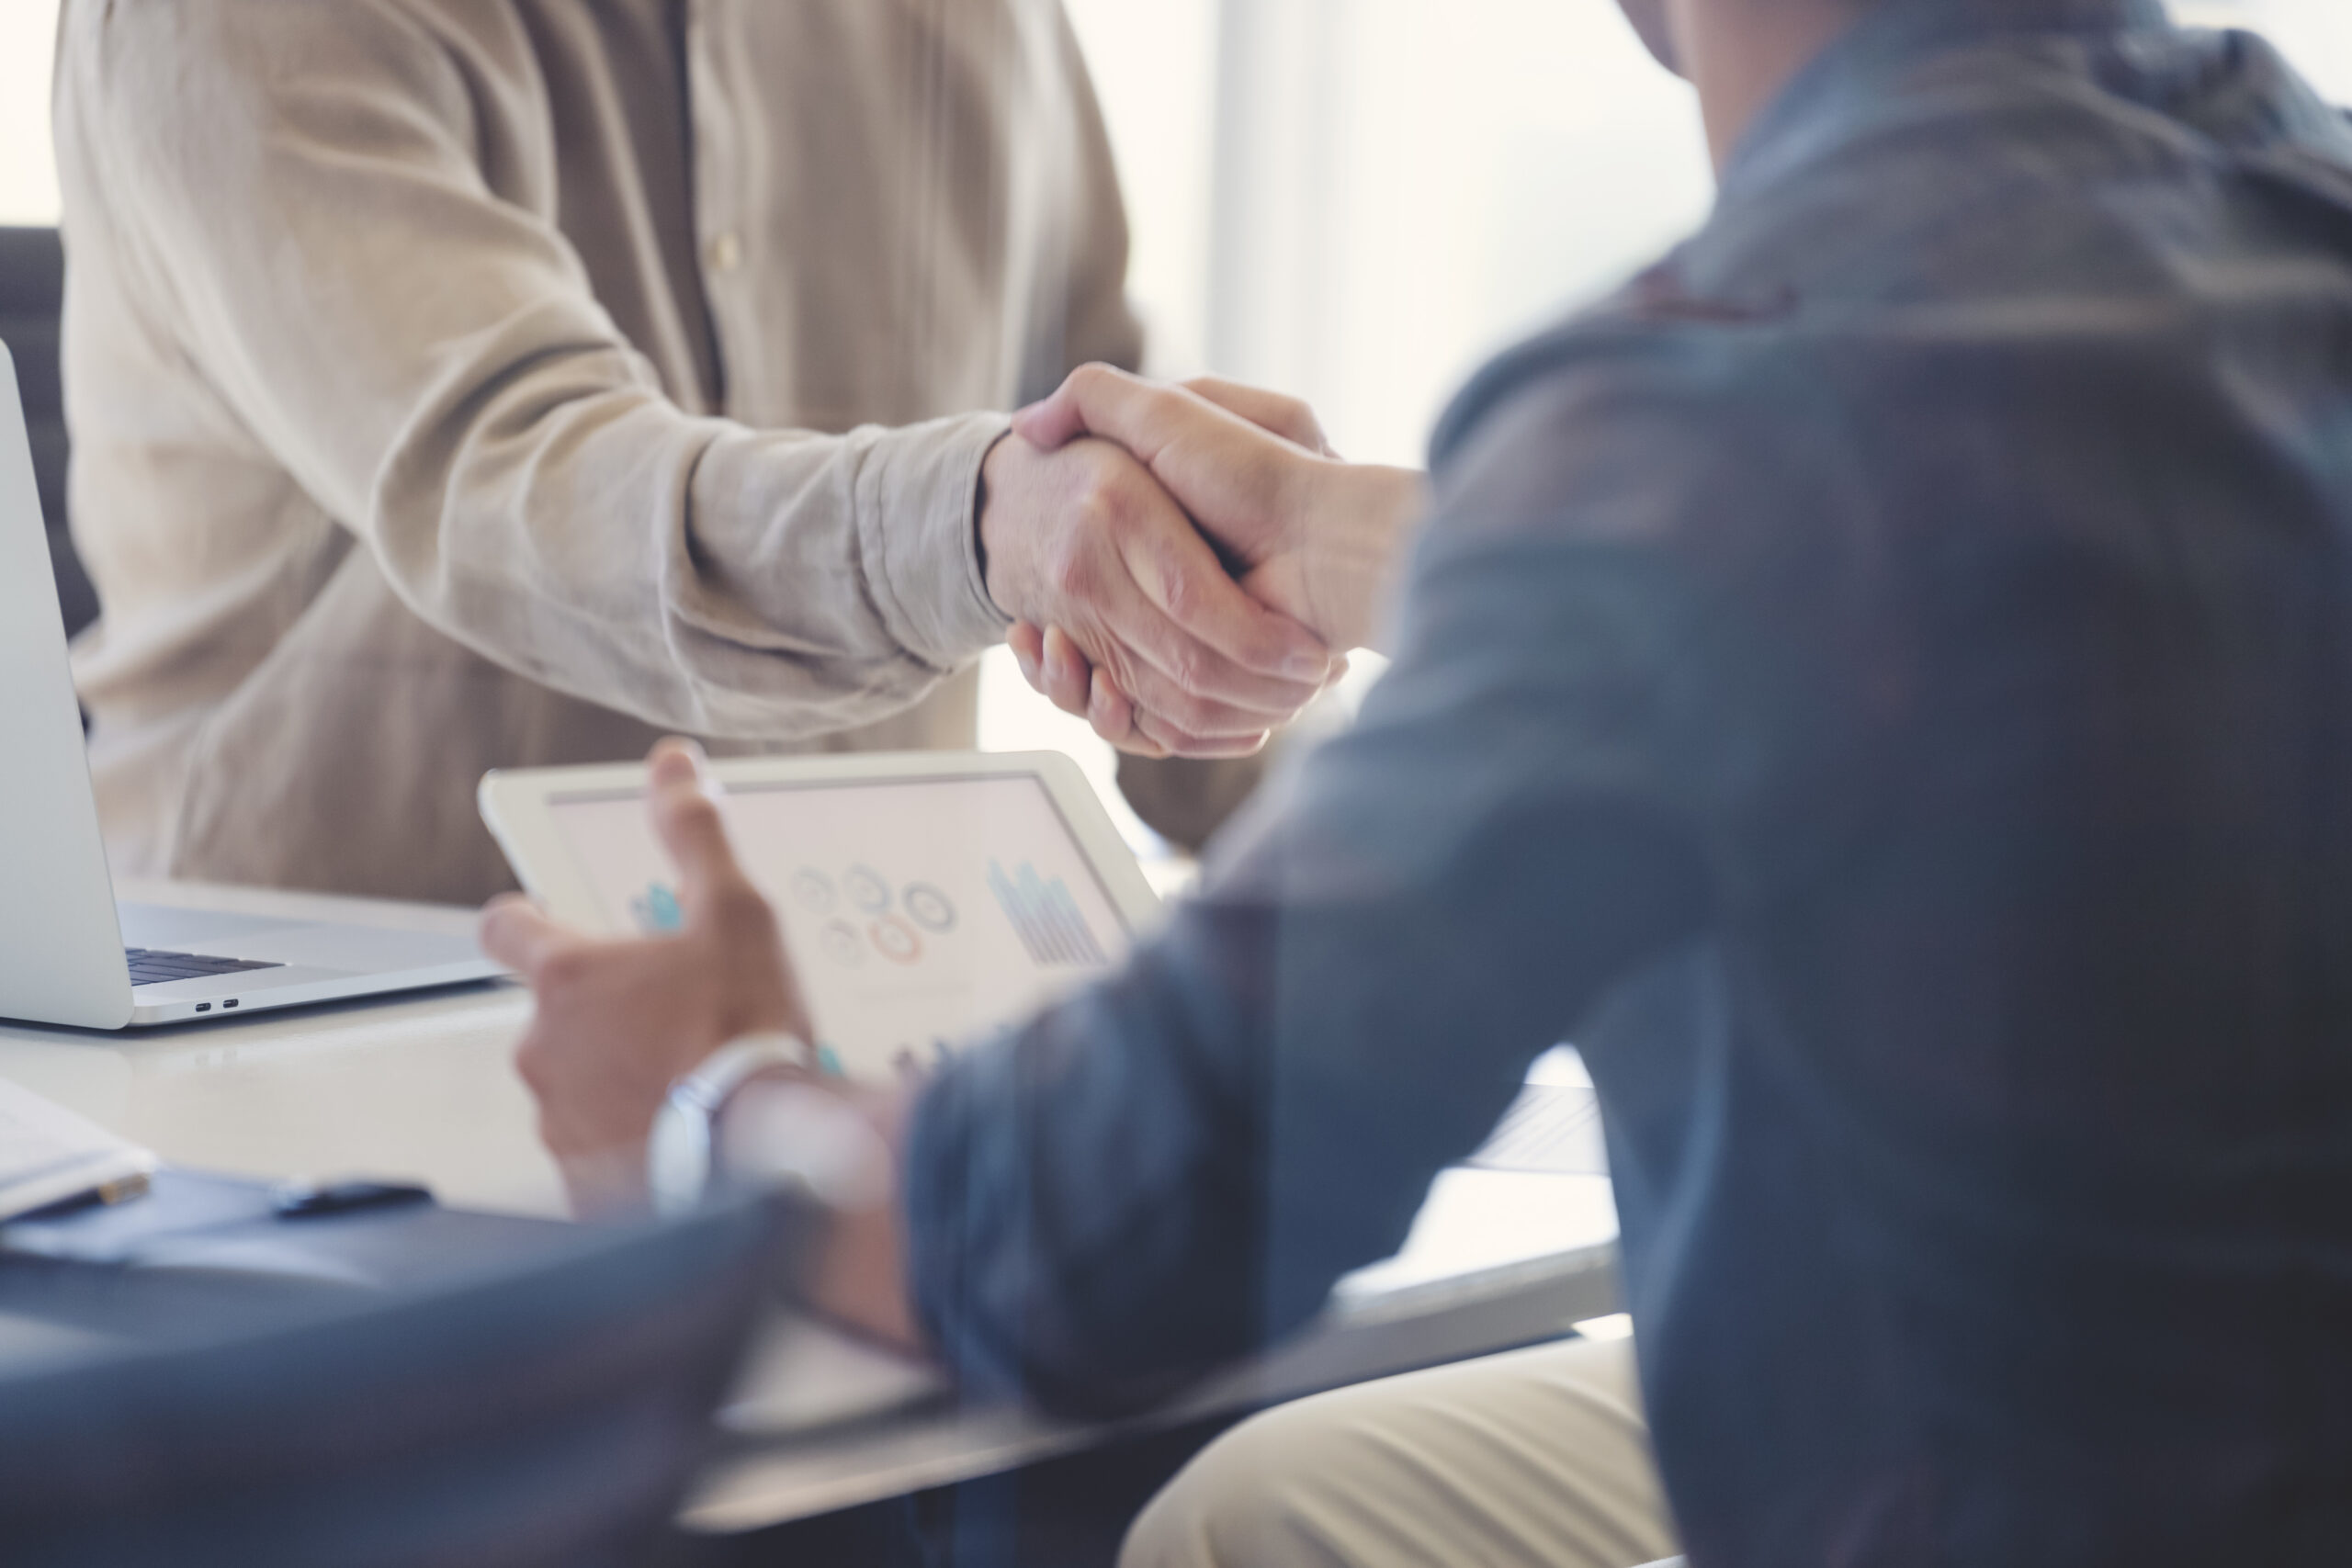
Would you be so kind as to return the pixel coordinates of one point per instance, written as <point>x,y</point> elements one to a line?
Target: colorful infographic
<point>1045,916</point>
<point>920,914</point>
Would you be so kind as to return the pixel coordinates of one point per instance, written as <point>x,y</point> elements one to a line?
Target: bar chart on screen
<point>1047,918</point>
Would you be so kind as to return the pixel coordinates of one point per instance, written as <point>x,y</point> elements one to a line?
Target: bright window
<point>1409,186</point>
<point>27,176</point>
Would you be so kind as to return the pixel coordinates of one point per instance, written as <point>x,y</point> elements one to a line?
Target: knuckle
<point>1163,733</point>
<point>697,812</point>
<point>1187,667</point>
<point>1180,593</point>
<point>1197,718</point>
<point>1071,569</point>
<point>1263,471</point>
<point>565,970</point>
<point>742,906</point>
<point>1120,669</point>
<point>1276,693</point>
<point>1109,502</point>
<point>532,1061</point>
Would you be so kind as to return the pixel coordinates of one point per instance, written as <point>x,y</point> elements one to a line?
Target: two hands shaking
<point>1187,566</point>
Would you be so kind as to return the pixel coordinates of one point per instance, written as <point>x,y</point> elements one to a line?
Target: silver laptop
<point>68,954</point>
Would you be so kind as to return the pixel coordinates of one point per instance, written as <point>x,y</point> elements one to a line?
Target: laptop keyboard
<point>149,968</point>
<point>1553,1128</point>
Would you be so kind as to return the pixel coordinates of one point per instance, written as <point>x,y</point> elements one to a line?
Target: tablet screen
<point>920,913</point>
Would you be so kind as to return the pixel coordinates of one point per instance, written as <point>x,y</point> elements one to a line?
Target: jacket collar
<point>1859,67</point>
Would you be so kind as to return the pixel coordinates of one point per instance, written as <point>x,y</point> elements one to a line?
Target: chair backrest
<point>32,301</point>
<point>549,1414</point>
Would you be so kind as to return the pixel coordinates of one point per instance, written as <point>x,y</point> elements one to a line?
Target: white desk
<point>425,1088</point>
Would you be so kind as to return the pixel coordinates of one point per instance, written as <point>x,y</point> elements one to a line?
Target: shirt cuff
<point>918,521</point>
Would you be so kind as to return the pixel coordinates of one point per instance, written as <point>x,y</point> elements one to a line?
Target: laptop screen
<point>919,912</point>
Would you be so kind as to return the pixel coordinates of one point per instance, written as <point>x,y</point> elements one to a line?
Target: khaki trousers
<point>1536,1459</point>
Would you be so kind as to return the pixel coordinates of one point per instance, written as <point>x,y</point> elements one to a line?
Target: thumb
<point>1100,399</point>
<point>515,933</point>
<point>683,799</point>
<point>1052,423</point>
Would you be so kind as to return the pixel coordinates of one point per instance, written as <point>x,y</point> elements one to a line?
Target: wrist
<point>753,1116</point>
<point>684,1158</point>
<point>1363,528</point>
<point>985,522</point>
<point>858,1276</point>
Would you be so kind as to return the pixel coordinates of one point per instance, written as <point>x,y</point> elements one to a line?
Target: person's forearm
<point>857,1269</point>
<point>426,360</point>
<point>1083,1212</point>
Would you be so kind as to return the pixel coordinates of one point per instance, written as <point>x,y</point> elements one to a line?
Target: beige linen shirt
<point>460,384</point>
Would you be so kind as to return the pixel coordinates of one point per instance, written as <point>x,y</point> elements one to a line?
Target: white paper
<point>48,1155</point>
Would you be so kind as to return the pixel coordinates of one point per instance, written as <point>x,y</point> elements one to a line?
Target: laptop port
<point>227,1005</point>
<point>204,1007</point>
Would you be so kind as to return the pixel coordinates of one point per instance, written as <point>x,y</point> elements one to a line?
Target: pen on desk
<point>311,1199</point>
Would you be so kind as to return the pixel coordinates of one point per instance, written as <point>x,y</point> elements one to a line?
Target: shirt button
<point>726,254</point>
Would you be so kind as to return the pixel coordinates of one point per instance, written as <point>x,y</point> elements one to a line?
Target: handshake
<point>1186,567</point>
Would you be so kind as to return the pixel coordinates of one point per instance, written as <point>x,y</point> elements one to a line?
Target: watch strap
<point>681,1154</point>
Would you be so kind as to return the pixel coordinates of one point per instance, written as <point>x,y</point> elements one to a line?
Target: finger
<point>1258,652</point>
<point>1134,665</point>
<point>1065,673</point>
<point>1182,711</point>
<point>515,933</point>
<point>1068,673</point>
<point>1176,741</point>
<point>1143,416</point>
<point>1201,630</point>
<point>1129,657</point>
<point>1053,421</point>
<point>674,760</point>
<point>1254,493</point>
<point>1108,709</point>
<point>1137,744</point>
<point>1028,645</point>
<point>683,803</point>
<point>1202,450</point>
<point>1288,417</point>
<point>1117,624</point>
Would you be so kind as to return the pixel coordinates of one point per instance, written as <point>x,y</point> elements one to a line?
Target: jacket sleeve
<point>1173,1167</point>
<point>305,186</point>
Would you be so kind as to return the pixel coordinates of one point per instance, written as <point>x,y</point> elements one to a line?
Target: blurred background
<point>1354,201</point>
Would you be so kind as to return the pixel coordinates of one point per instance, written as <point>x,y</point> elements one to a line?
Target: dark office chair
<point>32,298</point>
<point>546,1414</point>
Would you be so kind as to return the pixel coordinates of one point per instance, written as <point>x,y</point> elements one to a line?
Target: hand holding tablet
<point>926,898</point>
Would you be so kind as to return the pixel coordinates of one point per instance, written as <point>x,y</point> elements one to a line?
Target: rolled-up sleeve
<point>310,187</point>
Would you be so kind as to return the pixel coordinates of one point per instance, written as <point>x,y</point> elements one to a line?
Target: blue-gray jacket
<point>1883,687</point>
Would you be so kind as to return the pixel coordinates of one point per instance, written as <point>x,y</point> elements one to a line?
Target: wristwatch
<point>679,1159</point>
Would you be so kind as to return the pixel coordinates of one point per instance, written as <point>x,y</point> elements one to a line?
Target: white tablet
<point>927,897</point>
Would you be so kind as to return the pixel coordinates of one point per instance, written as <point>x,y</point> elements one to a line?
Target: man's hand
<point>618,1021</point>
<point>1313,538</point>
<point>1081,538</point>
